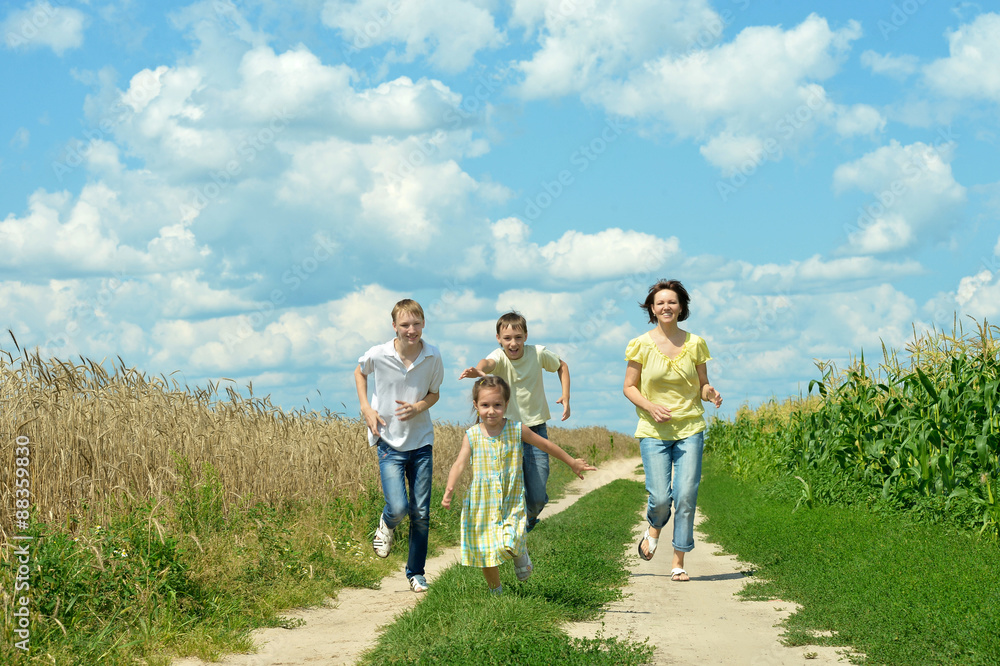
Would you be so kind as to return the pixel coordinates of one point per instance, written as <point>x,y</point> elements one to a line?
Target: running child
<point>493,517</point>
<point>521,365</point>
<point>408,373</point>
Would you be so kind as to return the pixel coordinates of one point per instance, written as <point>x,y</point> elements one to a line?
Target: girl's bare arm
<point>461,462</point>
<point>578,465</point>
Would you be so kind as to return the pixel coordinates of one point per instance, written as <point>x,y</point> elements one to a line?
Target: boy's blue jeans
<point>399,469</point>
<point>536,475</point>
<point>673,472</point>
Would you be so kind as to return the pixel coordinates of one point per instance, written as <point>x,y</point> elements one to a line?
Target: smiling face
<point>409,327</point>
<point>490,406</point>
<point>666,306</point>
<point>512,341</point>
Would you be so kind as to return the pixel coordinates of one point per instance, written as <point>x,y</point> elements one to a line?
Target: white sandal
<point>650,545</point>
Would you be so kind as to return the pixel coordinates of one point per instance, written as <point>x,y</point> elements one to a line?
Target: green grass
<point>899,591</point>
<point>145,585</point>
<point>198,580</point>
<point>580,565</point>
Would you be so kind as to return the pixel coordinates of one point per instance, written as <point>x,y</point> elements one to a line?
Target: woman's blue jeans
<point>399,469</point>
<point>673,472</point>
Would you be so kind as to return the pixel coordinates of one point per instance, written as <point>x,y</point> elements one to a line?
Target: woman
<point>666,380</point>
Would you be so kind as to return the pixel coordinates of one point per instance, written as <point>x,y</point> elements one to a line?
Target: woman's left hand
<point>709,393</point>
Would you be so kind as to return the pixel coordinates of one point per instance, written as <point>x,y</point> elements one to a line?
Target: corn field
<point>920,432</point>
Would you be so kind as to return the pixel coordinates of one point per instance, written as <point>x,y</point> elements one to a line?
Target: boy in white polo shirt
<point>521,366</point>
<point>408,373</point>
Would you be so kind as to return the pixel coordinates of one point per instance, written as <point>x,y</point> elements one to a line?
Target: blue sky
<point>243,190</point>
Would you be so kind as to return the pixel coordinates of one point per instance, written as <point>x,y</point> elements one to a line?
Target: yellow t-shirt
<point>671,382</point>
<point>524,376</point>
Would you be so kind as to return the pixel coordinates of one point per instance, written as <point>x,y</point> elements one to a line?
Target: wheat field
<point>103,438</point>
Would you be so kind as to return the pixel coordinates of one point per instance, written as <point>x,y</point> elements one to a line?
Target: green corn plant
<point>920,425</point>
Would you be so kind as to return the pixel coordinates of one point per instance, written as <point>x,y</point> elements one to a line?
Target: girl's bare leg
<point>492,575</point>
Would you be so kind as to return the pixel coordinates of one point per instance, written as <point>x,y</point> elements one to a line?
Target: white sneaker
<point>523,567</point>
<point>382,543</point>
<point>418,583</point>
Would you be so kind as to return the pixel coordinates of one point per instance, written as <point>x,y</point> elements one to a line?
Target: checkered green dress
<point>493,518</point>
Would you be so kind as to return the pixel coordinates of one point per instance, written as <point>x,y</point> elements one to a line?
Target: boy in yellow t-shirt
<point>521,365</point>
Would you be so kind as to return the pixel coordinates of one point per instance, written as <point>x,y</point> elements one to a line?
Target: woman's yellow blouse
<point>671,382</point>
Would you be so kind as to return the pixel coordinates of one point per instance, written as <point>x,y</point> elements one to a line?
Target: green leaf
<point>928,386</point>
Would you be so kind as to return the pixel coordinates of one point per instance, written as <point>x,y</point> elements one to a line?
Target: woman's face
<point>666,306</point>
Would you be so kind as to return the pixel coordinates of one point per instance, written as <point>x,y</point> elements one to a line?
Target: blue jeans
<point>399,468</point>
<point>536,474</point>
<point>677,461</point>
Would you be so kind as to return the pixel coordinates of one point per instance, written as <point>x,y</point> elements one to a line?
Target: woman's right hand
<point>446,500</point>
<point>659,413</point>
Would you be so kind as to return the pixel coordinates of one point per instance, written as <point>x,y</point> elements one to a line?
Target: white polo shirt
<point>394,381</point>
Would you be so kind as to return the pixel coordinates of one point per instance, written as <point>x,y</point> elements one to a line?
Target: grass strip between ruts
<point>580,565</point>
<point>899,592</point>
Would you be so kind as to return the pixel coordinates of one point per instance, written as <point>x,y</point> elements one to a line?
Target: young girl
<point>493,517</point>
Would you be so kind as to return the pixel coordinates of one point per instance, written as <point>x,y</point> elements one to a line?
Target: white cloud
<point>772,363</point>
<point>972,68</point>
<point>979,295</point>
<point>65,237</point>
<point>897,67</point>
<point>288,132</point>
<point>293,83</point>
<point>167,123</point>
<point>64,318</point>
<point>914,196</point>
<point>576,256</point>
<point>332,333</point>
<point>42,25</point>
<point>186,294</point>
<point>804,275</point>
<point>448,33</point>
<point>761,66</point>
<point>186,123</point>
<point>587,42</point>
<point>859,119</point>
<point>407,193</point>
<point>866,318</point>
<point>296,85</point>
<point>729,153</point>
<point>976,295</point>
<point>753,97</point>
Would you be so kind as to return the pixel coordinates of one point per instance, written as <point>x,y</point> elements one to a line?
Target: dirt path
<point>715,628</point>
<point>700,622</point>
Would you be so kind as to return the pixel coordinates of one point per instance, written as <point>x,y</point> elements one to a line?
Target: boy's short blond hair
<point>407,306</point>
<point>514,319</point>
